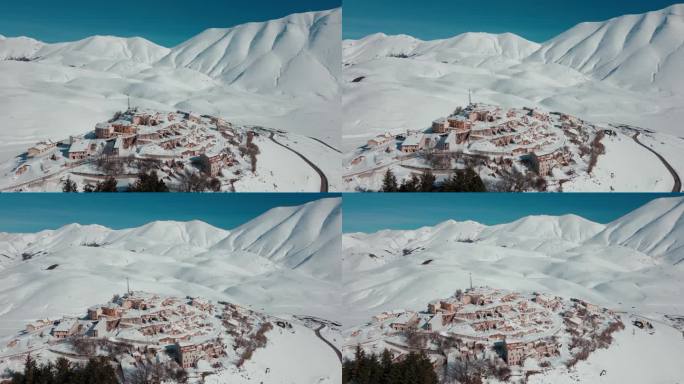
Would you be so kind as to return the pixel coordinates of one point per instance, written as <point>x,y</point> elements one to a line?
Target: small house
<point>40,148</point>
<point>65,328</point>
<point>104,130</point>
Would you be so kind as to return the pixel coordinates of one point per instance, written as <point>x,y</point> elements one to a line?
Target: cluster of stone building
<point>189,353</point>
<point>483,318</point>
<point>155,321</point>
<point>584,315</point>
<point>153,134</point>
<point>482,122</point>
<point>487,130</point>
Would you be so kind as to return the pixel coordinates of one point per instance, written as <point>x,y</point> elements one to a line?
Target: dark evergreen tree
<point>69,186</point>
<point>371,369</point>
<point>464,180</point>
<point>427,181</point>
<point>473,182</point>
<point>97,370</point>
<point>386,365</point>
<point>148,182</point>
<point>107,185</point>
<point>63,371</point>
<point>389,182</point>
<point>215,185</point>
<point>410,185</point>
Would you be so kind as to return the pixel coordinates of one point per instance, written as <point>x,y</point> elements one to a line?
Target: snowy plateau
<point>280,74</point>
<point>622,74</point>
<point>630,268</point>
<point>282,268</point>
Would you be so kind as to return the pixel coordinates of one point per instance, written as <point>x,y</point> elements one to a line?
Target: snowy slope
<point>635,51</point>
<point>281,273</point>
<point>18,47</point>
<point>624,361</point>
<point>568,228</point>
<point>305,237</point>
<point>88,50</point>
<point>542,233</point>
<point>290,236</point>
<point>281,74</point>
<point>482,45</point>
<point>267,56</point>
<point>271,55</point>
<point>656,229</point>
<point>629,264</point>
<point>624,70</point>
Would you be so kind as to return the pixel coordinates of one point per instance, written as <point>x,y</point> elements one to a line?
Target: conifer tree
<point>108,185</point>
<point>69,185</point>
<point>148,182</point>
<point>427,181</point>
<point>389,182</point>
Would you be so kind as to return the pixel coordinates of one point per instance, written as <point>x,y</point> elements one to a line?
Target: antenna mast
<point>471,280</point>
<point>470,97</point>
<point>128,286</point>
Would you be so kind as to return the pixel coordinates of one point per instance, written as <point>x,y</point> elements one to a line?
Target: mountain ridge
<point>656,228</point>
<point>304,237</point>
<point>632,263</point>
<point>635,51</point>
<point>256,56</point>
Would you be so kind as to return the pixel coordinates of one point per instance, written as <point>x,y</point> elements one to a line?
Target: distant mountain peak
<point>633,51</point>
<point>268,55</point>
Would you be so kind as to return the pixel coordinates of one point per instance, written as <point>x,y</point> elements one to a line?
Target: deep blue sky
<point>374,212</point>
<point>35,212</point>
<point>165,22</point>
<point>536,20</point>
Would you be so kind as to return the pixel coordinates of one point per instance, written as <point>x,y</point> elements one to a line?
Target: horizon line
<point>451,36</point>
<point>161,45</point>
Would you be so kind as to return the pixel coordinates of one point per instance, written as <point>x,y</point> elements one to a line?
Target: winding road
<point>337,351</point>
<point>677,181</point>
<point>326,144</point>
<point>324,179</point>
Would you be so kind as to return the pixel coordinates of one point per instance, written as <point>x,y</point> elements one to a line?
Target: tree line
<point>146,182</point>
<point>373,369</point>
<point>463,180</point>
<point>96,370</point>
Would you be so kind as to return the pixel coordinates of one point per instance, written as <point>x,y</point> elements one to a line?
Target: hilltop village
<point>187,151</point>
<point>509,331</point>
<point>495,140</point>
<point>174,144</point>
<point>141,330</point>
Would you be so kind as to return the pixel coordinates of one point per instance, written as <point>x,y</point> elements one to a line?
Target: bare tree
<point>415,339</point>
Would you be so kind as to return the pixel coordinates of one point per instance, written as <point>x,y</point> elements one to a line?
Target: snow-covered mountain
<point>286,261</point>
<point>264,56</point>
<point>91,50</point>
<point>635,51</point>
<point>656,229</point>
<point>280,73</point>
<point>464,46</point>
<point>305,237</point>
<point>19,47</point>
<point>277,54</point>
<point>624,70</point>
<point>633,263</point>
